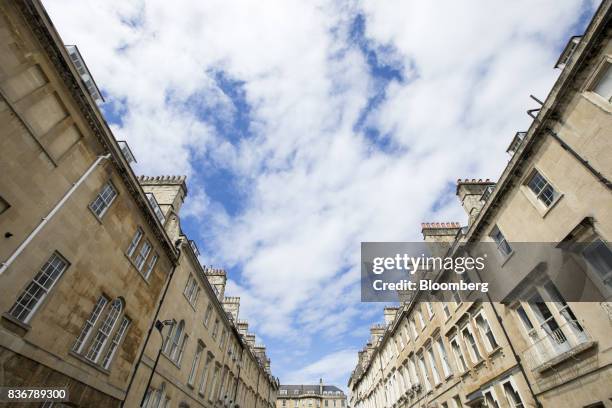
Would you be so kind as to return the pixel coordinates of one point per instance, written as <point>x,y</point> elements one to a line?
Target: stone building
<point>541,350</point>
<point>93,258</point>
<point>310,396</point>
<point>208,357</point>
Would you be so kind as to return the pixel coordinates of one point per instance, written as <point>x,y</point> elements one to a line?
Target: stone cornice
<point>37,19</point>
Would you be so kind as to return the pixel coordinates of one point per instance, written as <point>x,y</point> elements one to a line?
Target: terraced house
<point>310,396</point>
<point>94,265</point>
<point>538,348</point>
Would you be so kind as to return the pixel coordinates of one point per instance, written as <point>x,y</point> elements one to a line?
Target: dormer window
<point>126,151</point>
<point>79,64</point>
<point>194,247</point>
<point>156,208</point>
<point>517,141</point>
<point>487,193</point>
<point>568,51</point>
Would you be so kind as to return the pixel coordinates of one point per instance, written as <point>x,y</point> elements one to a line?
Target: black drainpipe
<point>177,244</point>
<point>582,161</point>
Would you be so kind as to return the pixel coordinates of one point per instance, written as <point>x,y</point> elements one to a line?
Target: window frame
<point>105,329</point>
<point>534,197</point>
<point>46,291</point>
<point>90,324</point>
<point>494,234</point>
<point>473,349</point>
<point>99,196</point>
<point>604,66</point>
<point>512,383</point>
<point>460,359</point>
<point>195,363</point>
<point>483,334</point>
<point>447,369</point>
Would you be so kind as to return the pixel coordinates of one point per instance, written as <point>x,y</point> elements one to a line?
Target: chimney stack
<point>217,278</point>
<point>231,304</point>
<point>169,191</point>
<point>243,327</point>
<point>470,192</point>
<point>376,332</point>
<point>389,313</point>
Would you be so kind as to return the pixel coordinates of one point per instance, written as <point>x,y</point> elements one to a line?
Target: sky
<point>307,127</point>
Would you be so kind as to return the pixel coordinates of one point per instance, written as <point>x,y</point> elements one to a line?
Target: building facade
<point>93,258</point>
<point>207,356</point>
<point>540,350</point>
<point>311,396</point>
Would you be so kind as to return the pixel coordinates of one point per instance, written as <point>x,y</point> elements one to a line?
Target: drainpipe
<point>600,177</point>
<point>146,341</point>
<point>54,211</point>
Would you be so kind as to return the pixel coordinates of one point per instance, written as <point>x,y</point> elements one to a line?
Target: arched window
<point>156,398</point>
<point>176,339</point>
<point>103,322</point>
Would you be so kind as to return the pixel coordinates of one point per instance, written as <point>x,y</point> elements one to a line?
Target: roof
<point>304,389</point>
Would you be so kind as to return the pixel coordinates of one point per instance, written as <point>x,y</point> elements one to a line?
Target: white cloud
<point>331,368</point>
<point>313,187</point>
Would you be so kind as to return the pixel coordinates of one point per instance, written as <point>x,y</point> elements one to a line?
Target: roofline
<point>49,39</point>
<point>88,70</point>
<point>595,31</point>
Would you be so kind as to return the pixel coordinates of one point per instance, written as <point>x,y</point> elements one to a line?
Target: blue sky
<point>307,127</point>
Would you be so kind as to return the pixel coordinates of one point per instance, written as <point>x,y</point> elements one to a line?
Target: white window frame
<point>460,358</point>
<point>483,333</point>
<point>604,67</point>
<point>38,289</point>
<point>512,404</point>
<point>535,194</point>
<point>430,310</point>
<point>117,339</point>
<point>90,323</point>
<point>106,328</point>
<point>413,328</point>
<point>421,319</point>
<point>151,264</point>
<point>434,366</point>
<point>102,201</point>
<point>502,242</point>
<point>205,371</point>
<point>208,314</point>
<point>424,373</point>
<point>195,364</point>
<point>143,254</point>
<point>473,349</point>
<point>491,391</point>
<point>446,367</point>
<point>138,235</point>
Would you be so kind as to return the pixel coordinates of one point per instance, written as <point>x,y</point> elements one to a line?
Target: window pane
<point>104,331</point>
<point>604,84</point>
<point>36,291</point>
<point>115,343</point>
<point>599,256</point>
<point>89,324</point>
<point>134,243</point>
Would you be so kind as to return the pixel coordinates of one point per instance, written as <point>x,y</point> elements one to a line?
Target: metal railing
<point>555,346</point>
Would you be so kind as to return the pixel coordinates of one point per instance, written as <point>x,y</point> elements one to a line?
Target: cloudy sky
<point>306,127</point>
